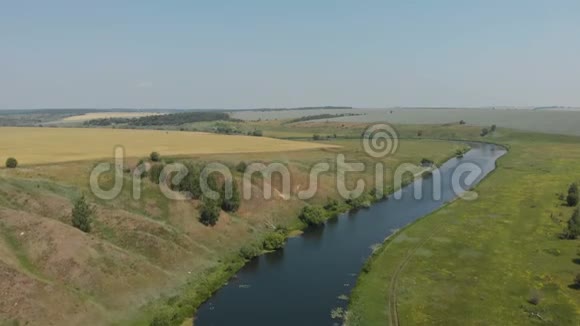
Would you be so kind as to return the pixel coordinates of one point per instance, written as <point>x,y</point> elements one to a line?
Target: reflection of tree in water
<point>274,258</point>
<point>313,234</point>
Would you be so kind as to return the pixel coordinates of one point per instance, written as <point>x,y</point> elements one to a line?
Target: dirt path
<point>392,298</point>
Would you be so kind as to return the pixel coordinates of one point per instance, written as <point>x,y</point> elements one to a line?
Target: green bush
<point>11,163</point>
<point>312,215</point>
<point>209,211</point>
<point>250,251</point>
<point>573,189</point>
<point>190,182</point>
<point>82,215</point>
<point>155,173</point>
<point>155,157</point>
<point>257,133</point>
<point>274,241</point>
<point>241,167</point>
<point>572,199</point>
<point>233,203</point>
<point>573,230</point>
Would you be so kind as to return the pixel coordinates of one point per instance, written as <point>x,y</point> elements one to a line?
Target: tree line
<point>175,119</point>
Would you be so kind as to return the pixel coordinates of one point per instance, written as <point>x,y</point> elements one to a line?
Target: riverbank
<point>497,260</point>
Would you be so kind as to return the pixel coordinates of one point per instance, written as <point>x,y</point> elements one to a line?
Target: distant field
<point>546,121</point>
<point>48,145</point>
<point>103,115</point>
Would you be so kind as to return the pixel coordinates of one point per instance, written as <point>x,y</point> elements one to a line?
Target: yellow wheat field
<point>103,115</point>
<point>49,145</point>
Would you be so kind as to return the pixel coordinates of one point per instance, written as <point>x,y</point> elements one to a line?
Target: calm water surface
<point>300,284</point>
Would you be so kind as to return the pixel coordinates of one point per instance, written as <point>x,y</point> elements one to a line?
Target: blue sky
<point>244,54</point>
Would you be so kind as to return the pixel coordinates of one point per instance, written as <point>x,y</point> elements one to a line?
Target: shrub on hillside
<point>190,183</point>
<point>155,157</point>
<point>11,163</point>
<point>250,251</point>
<point>274,241</point>
<point>572,199</point>
<point>82,215</point>
<point>313,215</point>
<point>241,167</point>
<point>155,173</point>
<point>209,211</point>
<point>573,230</point>
<point>232,203</point>
<point>573,189</point>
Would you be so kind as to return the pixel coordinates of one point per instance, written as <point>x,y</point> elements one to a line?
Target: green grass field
<point>483,262</point>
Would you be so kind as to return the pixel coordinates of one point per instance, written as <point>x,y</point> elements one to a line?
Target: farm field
<point>496,260</point>
<point>104,115</point>
<point>547,121</point>
<point>49,145</point>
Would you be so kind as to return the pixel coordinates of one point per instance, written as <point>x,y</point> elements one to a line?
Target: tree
<point>484,132</point>
<point>462,122</point>
<point>493,127</point>
<point>190,183</point>
<point>419,133</point>
<point>155,173</point>
<point>316,137</point>
<point>241,167</point>
<point>82,215</point>
<point>577,281</point>
<point>573,230</point>
<point>572,199</point>
<point>154,156</point>
<point>209,211</point>
<point>257,133</point>
<point>274,241</point>
<point>312,215</point>
<point>573,188</point>
<point>11,163</point>
<point>233,203</point>
<point>250,251</point>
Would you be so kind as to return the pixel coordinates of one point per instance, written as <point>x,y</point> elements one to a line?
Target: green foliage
<point>484,132</point>
<point>577,281</point>
<point>11,163</point>
<point>572,199</point>
<point>573,230</point>
<point>573,189</point>
<point>320,116</point>
<point>426,162</point>
<point>363,201</point>
<point>257,133</point>
<point>155,173</point>
<point>316,137</point>
<point>274,240</point>
<point>175,119</point>
<point>250,251</point>
<point>233,203</point>
<point>155,157</point>
<point>190,183</point>
<point>492,129</point>
<point>82,214</point>
<point>209,211</point>
<point>313,215</point>
<point>241,167</point>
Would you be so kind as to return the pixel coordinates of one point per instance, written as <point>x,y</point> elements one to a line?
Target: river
<point>301,284</point>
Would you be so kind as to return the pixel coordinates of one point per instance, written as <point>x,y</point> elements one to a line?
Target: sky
<point>250,54</point>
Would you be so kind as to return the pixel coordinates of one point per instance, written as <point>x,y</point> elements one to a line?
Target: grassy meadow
<point>495,261</point>
<point>31,145</point>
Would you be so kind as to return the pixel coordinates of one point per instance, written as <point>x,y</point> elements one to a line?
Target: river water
<point>301,284</point>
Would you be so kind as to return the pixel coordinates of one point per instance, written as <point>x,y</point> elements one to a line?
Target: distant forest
<point>174,119</point>
<point>321,116</point>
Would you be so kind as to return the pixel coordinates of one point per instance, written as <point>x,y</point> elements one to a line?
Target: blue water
<point>300,284</point>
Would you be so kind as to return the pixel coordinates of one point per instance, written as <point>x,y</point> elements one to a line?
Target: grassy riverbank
<point>496,260</point>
